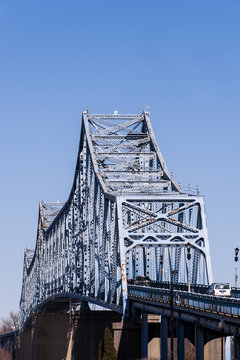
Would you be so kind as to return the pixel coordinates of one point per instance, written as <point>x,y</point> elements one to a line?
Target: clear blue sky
<point>182,58</point>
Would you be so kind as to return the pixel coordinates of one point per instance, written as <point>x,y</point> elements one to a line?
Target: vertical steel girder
<point>125,217</point>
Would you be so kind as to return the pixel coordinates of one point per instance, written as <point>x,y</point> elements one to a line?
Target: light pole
<point>173,274</point>
<point>188,266</point>
<point>236,261</point>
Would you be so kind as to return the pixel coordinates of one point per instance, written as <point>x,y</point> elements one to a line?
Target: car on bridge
<point>220,289</point>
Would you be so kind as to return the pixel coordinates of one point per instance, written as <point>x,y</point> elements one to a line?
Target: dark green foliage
<point>100,350</point>
<point>106,349</point>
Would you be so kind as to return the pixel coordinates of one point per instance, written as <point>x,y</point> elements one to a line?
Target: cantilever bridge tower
<point>125,217</point>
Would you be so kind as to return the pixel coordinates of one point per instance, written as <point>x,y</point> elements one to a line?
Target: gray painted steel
<point>125,216</point>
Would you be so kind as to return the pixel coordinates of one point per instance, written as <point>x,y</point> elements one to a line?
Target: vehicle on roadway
<point>220,289</point>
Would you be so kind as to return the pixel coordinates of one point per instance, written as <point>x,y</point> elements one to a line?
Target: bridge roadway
<point>195,315</point>
<point>206,316</point>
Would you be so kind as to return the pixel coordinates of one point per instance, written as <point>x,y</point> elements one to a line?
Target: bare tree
<point>5,355</point>
<point>10,323</point>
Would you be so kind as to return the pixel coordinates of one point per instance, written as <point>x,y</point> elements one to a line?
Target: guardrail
<point>197,288</point>
<point>202,289</point>
<point>236,292</point>
<point>207,303</point>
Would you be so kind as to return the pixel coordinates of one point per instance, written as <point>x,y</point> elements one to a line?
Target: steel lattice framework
<point>125,217</point>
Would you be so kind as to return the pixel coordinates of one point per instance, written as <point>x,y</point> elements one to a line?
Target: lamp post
<point>173,274</point>
<point>188,266</point>
<point>236,260</point>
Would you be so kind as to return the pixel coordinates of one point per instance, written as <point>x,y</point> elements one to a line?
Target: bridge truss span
<point>125,217</point>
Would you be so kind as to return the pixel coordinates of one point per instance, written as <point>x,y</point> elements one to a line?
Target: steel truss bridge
<point>125,217</point>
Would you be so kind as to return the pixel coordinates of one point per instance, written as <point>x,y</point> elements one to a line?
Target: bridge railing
<point>195,288</point>
<point>236,292</point>
<point>220,305</point>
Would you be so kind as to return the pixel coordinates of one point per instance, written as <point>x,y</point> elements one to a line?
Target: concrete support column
<point>180,340</point>
<point>164,338</point>
<point>199,343</point>
<point>144,336</point>
<point>236,349</point>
